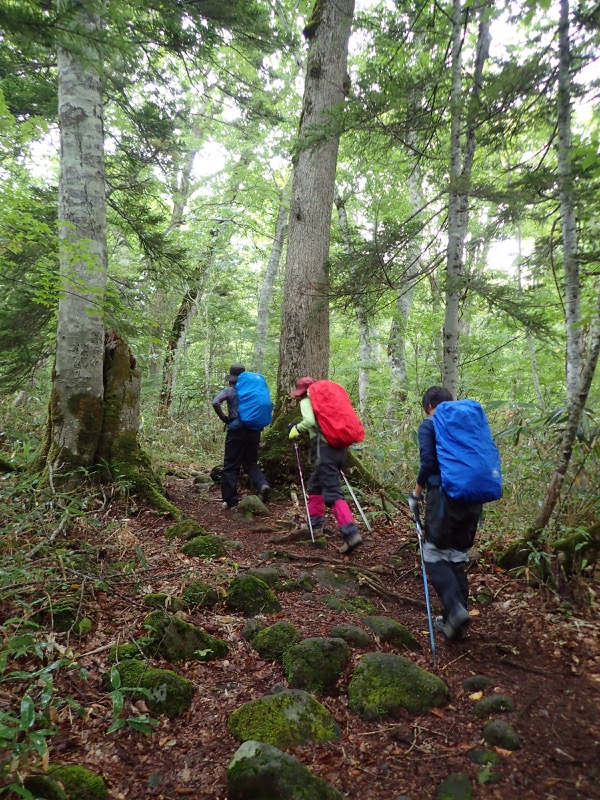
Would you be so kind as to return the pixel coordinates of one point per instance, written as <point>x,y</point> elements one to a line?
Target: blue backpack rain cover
<point>469,459</point>
<point>254,401</point>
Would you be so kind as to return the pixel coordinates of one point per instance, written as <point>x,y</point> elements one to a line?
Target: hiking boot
<point>317,530</point>
<point>445,628</point>
<point>460,621</point>
<point>226,505</point>
<point>264,492</point>
<point>351,543</point>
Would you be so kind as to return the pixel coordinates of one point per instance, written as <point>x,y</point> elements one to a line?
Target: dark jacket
<point>232,418</point>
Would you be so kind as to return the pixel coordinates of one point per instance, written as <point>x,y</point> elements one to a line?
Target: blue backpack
<point>254,401</point>
<point>469,459</point>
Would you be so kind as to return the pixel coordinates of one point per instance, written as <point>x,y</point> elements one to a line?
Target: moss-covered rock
<point>272,642</point>
<point>484,757</point>
<point>383,684</point>
<point>250,596</point>
<point>316,664</point>
<point>392,632</point>
<point>259,771</point>
<point>250,629</point>
<point>170,694</point>
<point>493,704</point>
<point>498,733</point>
<point>280,580</point>
<point>122,652</point>
<point>286,719</point>
<point>455,787</point>
<point>348,605</point>
<point>67,782</point>
<point>186,529</point>
<point>475,683</point>
<point>162,600</point>
<point>355,637</point>
<point>252,505</point>
<point>199,594</point>
<point>177,640</point>
<point>62,613</point>
<point>205,547</point>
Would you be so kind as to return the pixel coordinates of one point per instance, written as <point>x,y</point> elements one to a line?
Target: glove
<point>294,432</point>
<point>414,503</point>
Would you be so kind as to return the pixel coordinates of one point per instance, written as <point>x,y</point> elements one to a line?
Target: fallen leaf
<point>476,696</point>
<point>474,612</point>
<point>502,752</point>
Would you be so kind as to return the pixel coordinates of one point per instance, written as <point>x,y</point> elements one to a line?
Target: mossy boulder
<point>348,605</point>
<point>259,771</point>
<point>205,547</point>
<point>272,642</point>
<point>392,632</point>
<point>162,600</point>
<point>455,787</point>
<point>355,636</point>
<point>494,704</point>
<point>280,580</point>
<point>170,694</point>
<point>251,505</point>
<point>199,594</point>
<point>61,614</point>
<point>186,529</point>
<point>67,782</point>
<point>476,683</point>
<point>122,652</point>
<point>316,664</point>
<point>383,684</point>
<point>250,596</point>
<point>177,640</point>
<point>499,733</point>
<point>286,719</point>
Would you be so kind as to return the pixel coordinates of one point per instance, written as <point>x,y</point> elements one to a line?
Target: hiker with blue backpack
<point>323,485</point>
<point>460,470</point>
<point>249,409</point>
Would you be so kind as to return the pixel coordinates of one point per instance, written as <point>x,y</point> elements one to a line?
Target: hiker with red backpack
<point>460,468</point>
<point>249,409</point>
<point>329,456</point>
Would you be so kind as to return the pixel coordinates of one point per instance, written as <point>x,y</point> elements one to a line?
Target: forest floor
<point>545,658</point>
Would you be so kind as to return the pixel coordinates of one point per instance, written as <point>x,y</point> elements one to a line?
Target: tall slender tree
<point>304,344</point>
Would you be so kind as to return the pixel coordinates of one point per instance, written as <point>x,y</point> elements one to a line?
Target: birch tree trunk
<point>567,210</point>
<point>78,386</point>
<point>460,180</point>
<point>304,344</point>
<point>266,290</point>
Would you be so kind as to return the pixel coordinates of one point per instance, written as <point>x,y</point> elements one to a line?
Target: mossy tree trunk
<point>118,457</point>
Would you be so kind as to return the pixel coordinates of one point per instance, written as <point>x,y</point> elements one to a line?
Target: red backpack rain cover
<point>338,421</point>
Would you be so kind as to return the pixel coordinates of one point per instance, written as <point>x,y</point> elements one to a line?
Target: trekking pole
<point>429,620</point>
<point>310,528</point>
<point>361,512</point>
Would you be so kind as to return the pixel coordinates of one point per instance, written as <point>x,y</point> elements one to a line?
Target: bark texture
<point>304,345</point>
<point>78,380</point>
<point>462,153</point>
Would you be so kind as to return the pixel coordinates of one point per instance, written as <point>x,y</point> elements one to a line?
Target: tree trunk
<point>77,391</point>
<point>573,421</point>
<point>567,210</point>
<point>266,290</point>
<point>460,182</point>
<point>304,344</point>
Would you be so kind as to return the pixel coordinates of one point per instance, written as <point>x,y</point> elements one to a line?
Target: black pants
<point>325,477</point>
<point>450,581</point>
<point>241,450</point>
